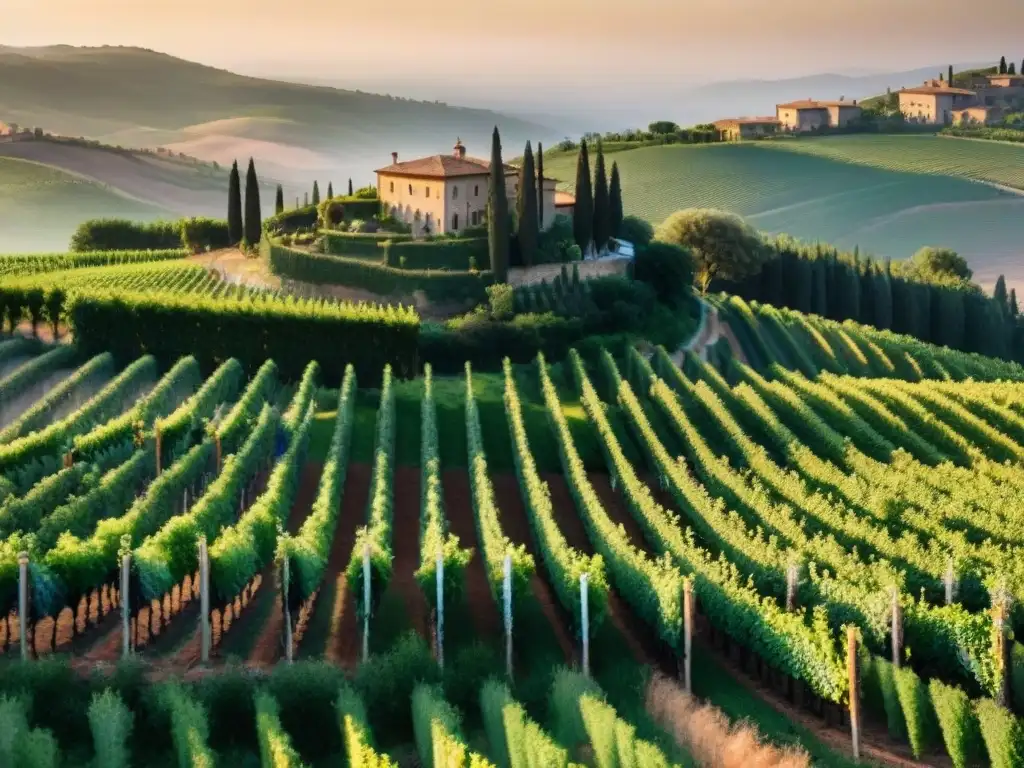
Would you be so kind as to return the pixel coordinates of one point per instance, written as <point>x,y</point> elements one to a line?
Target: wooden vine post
<point>159,443</point>
<point>792,573</point>
<point>1000,646</point>
<point>216,445</point>
<point>854,678</point>
<point>204,599</point>
<point>288,642</point>
<point>585,621</point>
<point>897,628</point>
<point>687,634</point>
<point>126,646</point>
<point>23,603</point>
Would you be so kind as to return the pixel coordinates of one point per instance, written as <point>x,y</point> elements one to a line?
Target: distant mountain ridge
<point>135,97</point>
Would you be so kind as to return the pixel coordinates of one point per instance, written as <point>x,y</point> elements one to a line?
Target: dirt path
<point>458,502</point>
<point>336,605</point>
<point>406,546</point>
<point>516,526</point>
<point>265,617</point>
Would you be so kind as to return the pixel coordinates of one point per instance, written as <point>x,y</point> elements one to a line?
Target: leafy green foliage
<point>110,721</point>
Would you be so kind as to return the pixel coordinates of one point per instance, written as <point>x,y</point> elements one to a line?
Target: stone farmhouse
<point>940,103</point>
<point>809,114</point>
<point>737,128</point>
<point>444,194</point>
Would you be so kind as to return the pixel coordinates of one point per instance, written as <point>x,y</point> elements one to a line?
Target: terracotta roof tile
<point>441,167</point>
<point>746,121</point>
<point>931,90</point>
<point>814,104</point>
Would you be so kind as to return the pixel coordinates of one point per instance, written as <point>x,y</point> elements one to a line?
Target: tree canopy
<point>667,268</point>
<point>722,244</point>
<point>938,265</point>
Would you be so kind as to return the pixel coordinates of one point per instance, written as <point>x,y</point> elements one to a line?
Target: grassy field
<point>799,188</point>
<point>40,206</point>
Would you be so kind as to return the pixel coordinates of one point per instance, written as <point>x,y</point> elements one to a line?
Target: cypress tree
<point>497,213</point>
<point>540,186</point>
<point>601,222</point>
<point>615,213</point>
<point>526,209</point>
<point>350,192</point>
<point>279,200</point>
<point>316,193</point>
<point>1000,296</point>
<point>583,210</point>
<point>1014,310</point>
<point>253,224</point>
<point>950,78</point>
<point>235,206</point>
<point>803,285</point>
<point>305,200</point>
<point>867,296</point>
<point>330,190</point>
<point>1012,69</point>
<point>1002,65</point>
<point>883,300</point>
<point>819,296</point>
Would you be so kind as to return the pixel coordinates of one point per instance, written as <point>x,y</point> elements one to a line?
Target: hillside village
<point>969,99</point>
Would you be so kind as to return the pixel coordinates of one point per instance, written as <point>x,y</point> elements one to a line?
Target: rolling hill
<point>887,195</point>
<point>139,98</point>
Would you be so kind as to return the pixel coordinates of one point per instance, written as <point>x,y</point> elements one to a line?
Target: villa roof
<point>933,90</point>
<point>814,104</point>
<point>1002,77</point>
<point>564,199</point>
<point>442,167</point>
<point>746,121</point>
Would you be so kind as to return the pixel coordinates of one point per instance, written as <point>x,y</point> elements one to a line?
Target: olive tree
<point>723,245</point>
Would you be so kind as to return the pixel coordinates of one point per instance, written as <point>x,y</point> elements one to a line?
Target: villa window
<point>392,186</point>
<point>455,221</point>
<point>428,192</point>
<point>476,191</point>
<point>410,189</point>
<point>475,218</point>
<point>455,193</point>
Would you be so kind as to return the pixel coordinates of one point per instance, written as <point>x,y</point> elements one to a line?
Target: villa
<point>935,102</point>
<point>442,194</point>
<point>809,114</point>
<point>736,128</point>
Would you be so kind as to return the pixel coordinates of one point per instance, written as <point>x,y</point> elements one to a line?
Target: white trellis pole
<point>950,578</point>
<point>366,602</point>
<point>23,603</point>
<point>508,615</point>
<point>204,599</point>
<point>126,634</point>
<point>285,576</point>
<point>439,573</point>
<point>791,578</point>
<point>897,629</point>
<point>585,622</point>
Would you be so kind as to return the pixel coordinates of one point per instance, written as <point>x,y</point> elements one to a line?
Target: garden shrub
<point>306,694</point>
<point>200,233</point>
<point>126,235</point>
<point>958,723</point>
<point>441,253</point>
<point>887,685</point>
<point>358,245</point>
<point>291,221</point>
<point>377,278</point>
<point>1003,734</point>
<point>332,212</point>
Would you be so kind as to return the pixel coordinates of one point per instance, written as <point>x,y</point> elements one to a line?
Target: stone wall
<point>597,268</point>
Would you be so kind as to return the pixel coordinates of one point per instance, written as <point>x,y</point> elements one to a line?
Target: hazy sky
<point>507,42</point>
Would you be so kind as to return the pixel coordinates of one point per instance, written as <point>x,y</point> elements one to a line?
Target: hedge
<point>309,216</point>
<point>359,245</point>
<point>338,209</point>
<point>376,278</point>
<point>447,253</point>
<point>289,331</point>
<point>289,222</point>
<point>196,234</point>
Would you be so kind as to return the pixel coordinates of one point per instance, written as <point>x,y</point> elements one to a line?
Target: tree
<point>615,202</point>
<point>636,230</point>
<point>1012,69</point>
<point>279,200</point>
<point>723,245</point>
<point>253,224</point>
<point>497,213</point>
<point>526,209</point>
<point>540,186</point>
<point>1000,296</point>
<point>350,192</point>
<point>234,206</point>
<point>662,127</point>
<point>668,269</point>
<point>316,193</point>
<point>938,265</point>
<point>601,224</point>
<point>950,78</point>
<point>1002,65</point>
<point>583,210</point>
<point>1014,310</point>
<point>305,200</point>
<point>330,190</point>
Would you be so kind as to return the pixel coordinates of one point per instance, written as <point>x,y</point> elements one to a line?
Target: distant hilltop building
<point>809,114</point>
<point>737,128</point>
<point>447,193</point>
<point>939,102</point>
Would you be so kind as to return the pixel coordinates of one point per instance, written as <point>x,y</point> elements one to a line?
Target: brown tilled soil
<point>267,648</point>
<point>406,542</point>
<point>516,526</point>
<point>344,643</point>
<point>458,502</point>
